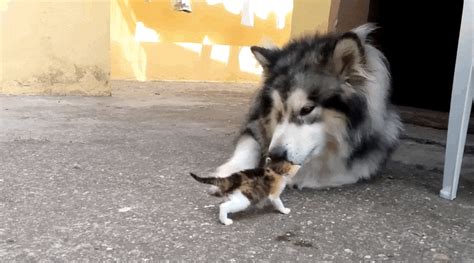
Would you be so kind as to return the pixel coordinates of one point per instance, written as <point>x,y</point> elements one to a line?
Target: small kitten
<point>252,186</point>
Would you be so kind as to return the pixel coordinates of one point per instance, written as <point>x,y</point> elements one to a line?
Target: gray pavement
<point>87,178</point>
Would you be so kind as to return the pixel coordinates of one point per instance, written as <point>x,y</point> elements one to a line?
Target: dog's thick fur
<point>324,105</point>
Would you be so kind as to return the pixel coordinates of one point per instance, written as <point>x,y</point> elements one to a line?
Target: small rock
<point>348,251</point>
<point>367,257</point>
<point>124,209</point>
<point>76,166</point>
<point>309,222</point>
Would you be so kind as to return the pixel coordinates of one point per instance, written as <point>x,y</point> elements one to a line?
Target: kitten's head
<point>282,166</point>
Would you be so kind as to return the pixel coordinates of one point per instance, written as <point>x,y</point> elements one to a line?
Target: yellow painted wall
<point>72,47</point>
<point>209,44</point>
<point>55,47</point>
<point>310,16</point>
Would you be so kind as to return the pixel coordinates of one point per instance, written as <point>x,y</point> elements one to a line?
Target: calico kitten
<point>252,186</point>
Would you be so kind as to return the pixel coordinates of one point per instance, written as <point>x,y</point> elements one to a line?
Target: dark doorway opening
<point>419,39</point>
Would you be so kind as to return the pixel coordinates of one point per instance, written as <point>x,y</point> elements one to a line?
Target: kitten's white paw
<point>227,221</point>
<point>285,210</point>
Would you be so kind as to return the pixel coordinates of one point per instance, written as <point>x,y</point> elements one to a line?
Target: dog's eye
<point>306,110</point>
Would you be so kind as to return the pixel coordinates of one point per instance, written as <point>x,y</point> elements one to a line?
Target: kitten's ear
<point>265,56</point>
<point>348,56</point>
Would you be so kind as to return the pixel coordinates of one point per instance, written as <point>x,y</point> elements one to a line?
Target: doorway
<point>420,42</point>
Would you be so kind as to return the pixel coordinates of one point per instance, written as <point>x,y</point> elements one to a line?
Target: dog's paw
<point>285,211</point>
<point>227,221</point>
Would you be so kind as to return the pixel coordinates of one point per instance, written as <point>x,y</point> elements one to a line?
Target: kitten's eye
<point>306,110</point>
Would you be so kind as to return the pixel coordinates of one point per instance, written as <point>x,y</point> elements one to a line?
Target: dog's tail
<point>225,184</point>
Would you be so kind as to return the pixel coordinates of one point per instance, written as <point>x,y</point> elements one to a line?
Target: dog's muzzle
<point>278,153</point>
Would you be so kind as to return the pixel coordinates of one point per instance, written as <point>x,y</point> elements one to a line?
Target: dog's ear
<point>348,56</point>
<point>265,56</point>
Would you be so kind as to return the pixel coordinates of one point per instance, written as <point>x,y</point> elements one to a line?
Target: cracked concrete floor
<point>106,178</point>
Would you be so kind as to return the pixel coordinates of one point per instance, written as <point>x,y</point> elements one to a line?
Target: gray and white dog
<point>323,104</point>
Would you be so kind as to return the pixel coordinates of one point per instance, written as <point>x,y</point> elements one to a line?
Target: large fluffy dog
<point>324,105</point>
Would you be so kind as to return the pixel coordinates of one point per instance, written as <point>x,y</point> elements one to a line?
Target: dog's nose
<point>278,153</point>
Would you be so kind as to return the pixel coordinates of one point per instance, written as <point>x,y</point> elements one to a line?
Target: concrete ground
<point>107,178</point>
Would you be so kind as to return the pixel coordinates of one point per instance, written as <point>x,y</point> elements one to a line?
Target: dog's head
<point>312,94</point>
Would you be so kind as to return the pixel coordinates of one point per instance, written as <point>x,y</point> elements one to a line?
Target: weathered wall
<point>151,41</point>
<point>55,47</point>
<point>72,47</point>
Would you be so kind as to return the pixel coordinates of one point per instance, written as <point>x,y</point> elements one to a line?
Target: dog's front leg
<point>246,156</point>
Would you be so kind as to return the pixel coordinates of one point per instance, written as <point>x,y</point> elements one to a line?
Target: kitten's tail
<point>205,180</point>
<point>225,184</point>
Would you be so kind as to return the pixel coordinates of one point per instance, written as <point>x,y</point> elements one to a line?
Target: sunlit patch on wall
<point>233,6</point>
<point>220,53</point>
<point>4,5</point>
<point>195,47</point>
<point>206,41</point>
<point>145,34</point>
<point>247,62</point>
<point>260,8</point>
